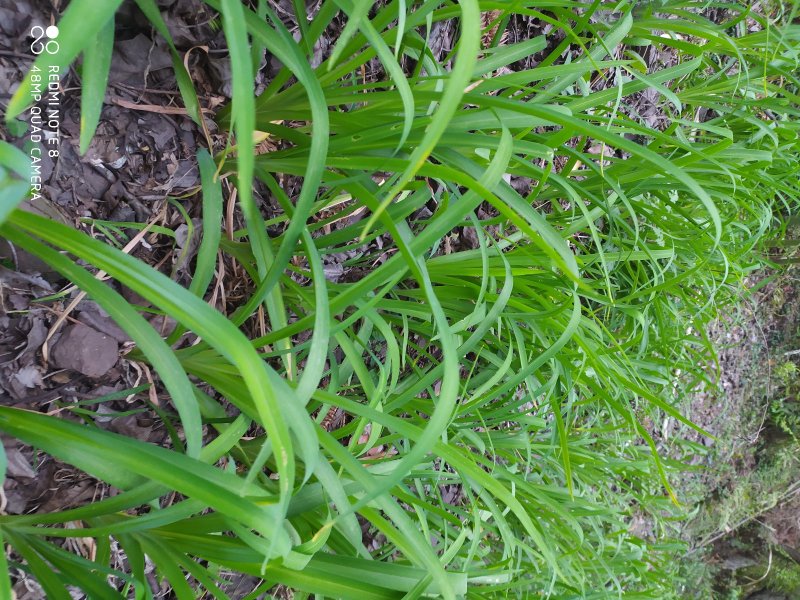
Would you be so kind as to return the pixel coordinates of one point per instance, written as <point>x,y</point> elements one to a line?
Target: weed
<point>499,397</point>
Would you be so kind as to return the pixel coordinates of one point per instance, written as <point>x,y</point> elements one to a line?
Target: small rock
<point>85,350</point>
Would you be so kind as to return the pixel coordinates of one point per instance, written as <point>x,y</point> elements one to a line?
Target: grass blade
<point>96,63</point>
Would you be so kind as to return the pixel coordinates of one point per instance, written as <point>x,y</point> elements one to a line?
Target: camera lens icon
<point>44,39</point>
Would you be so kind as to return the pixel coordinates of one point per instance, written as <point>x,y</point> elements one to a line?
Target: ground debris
<point>85,350</point>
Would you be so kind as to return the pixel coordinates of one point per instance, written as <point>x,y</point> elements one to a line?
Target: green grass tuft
<point>499,353</point>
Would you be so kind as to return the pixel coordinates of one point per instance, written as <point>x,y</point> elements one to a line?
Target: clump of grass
<point>496,392</point>
<point>784,409</point>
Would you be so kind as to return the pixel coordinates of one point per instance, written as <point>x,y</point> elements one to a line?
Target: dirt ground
<point>746,484</point>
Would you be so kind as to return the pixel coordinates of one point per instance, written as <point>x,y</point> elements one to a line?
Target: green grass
<point>523,369</point>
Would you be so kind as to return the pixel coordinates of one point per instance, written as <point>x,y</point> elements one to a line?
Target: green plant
<point>521,369</point>
<point>784,576</point>
<point>784,410</point>
<point>785,373</point>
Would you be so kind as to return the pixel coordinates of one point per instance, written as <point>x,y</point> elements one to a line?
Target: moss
<point>785,574</point>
